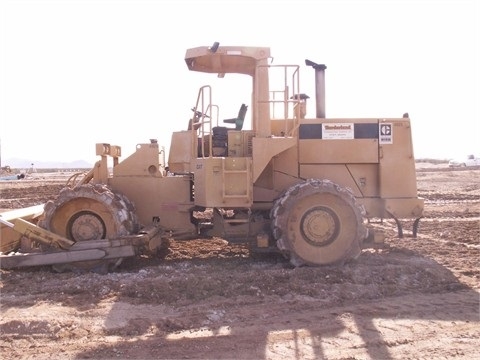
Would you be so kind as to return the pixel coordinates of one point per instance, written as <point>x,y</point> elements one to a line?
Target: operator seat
<point>238,121</point>
<point>220,133</point>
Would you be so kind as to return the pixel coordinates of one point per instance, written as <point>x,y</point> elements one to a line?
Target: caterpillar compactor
<point>269,176</point>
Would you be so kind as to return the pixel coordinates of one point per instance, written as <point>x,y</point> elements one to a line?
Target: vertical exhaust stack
<point>319,87</point>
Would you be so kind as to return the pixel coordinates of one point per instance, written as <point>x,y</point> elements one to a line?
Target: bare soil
<point>206,299</point>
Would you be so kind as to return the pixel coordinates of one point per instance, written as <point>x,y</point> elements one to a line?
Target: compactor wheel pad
<point>318,222</point>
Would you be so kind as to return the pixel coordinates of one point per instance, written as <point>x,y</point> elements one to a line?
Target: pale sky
<point>74,73</point>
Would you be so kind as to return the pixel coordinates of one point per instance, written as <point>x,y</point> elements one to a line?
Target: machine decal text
<point>338,131</point>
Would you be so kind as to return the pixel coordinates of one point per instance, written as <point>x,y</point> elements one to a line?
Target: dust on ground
<point>207,299</point>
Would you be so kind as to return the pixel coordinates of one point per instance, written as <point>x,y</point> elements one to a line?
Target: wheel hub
<point>319,226</point>
<point>85,226</point>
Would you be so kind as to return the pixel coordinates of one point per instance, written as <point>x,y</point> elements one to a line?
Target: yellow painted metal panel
<point>180,153</point>
<point>168,198</point>
<point>264,149</point>
<point>397,164</point>
<point>318,151</point>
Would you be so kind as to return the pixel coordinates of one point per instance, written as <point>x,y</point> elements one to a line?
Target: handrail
<point>205,125</point>
<point>287,100</point>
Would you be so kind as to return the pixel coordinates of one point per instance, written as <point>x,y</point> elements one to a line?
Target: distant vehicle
<point>12,177</point>
<point>470,160</point>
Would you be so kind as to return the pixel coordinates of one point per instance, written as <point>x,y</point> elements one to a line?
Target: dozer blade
<point>80,251</point>
<point>35,233</point>
<point>10,238</point>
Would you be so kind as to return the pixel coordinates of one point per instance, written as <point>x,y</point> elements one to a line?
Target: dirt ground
<point>410,299</point>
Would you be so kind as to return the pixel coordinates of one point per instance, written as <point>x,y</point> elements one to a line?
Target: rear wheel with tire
<point>90,212</point>
<point>318,222</point>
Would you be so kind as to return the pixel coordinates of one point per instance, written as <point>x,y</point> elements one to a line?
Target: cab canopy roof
<point>226,59</point>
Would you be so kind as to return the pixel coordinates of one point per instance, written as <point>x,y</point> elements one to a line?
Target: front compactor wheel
<point>90,212</point>
<point>318,222</point>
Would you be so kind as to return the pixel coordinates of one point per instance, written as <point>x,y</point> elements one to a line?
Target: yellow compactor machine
<point>284,182</point>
